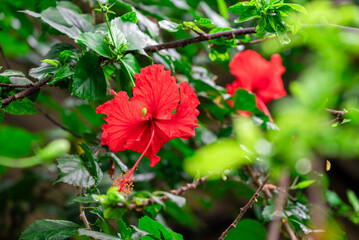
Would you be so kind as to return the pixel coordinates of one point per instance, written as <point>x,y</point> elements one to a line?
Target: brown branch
<point>16,85</point>
<point>82,213</point>
<point>338,115</point>
<point>178,191</point>
<point>281,200</point>
<point>149,49</point>
<point>289,230</point>
<point>257,181</point>
<point>244,209</point>
<point>202,38</point>
<point>25,92</point>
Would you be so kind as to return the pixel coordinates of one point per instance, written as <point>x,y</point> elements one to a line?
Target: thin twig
<point>257,181</point>
<point>244,209</point>
<point>338,115</point>
<point>16,85</point>
<point>289,230</point>
<point>178,191</point>
<point>54,121</point>
<point>83,215</point>
<point>5,58</point>
<point>281,200</point>
<point>26,92</point>
<point>202,38</point>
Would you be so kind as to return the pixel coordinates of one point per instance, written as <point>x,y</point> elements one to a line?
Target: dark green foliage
<point>50,230</point>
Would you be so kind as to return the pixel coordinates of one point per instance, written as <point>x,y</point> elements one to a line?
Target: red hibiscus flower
<point>159,111</point>
<point>258,76</point>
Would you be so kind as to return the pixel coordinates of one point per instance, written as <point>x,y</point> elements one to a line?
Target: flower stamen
<point>125,180</point>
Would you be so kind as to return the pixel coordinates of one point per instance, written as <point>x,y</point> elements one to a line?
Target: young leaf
<point>120,41</point>
<point>205,22</point>
<point>48,229</point>
<point>303,184</point>
<point>130,17</point>
<point>95,41</point>
<point>169,26</point>
<point>89,80</point>
<point>42,71</point>
<point>73,171</point>
<point>136,39</point>
<point>295,7</point>
<point>64,72</point>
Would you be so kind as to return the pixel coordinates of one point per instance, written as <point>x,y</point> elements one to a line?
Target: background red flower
<point>258,76</point>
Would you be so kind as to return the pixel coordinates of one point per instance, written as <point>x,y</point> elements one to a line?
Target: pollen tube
<point>125,181</point>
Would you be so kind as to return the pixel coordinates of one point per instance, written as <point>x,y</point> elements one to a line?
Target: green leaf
<point>205,22</point>
<point>247,229</point>
<point>52,17</point>
<point>241,7</point>
<point>47,229</point>
<point>243,100</point>
<point>84,199</point>
<point>95,41</point>
<point>64,72</point>
<point>25,106</point>
<point>20,80</point>
<point>42,71</point>
<point>249,15</point>
<point>130,17</point>
<point>295,7</point>
<point>15,142</point>
<point>95,168</point>
<point>89,80</point>
<point>74,19</point>
<point>97,235</point>
<point>215,158</point>
<point>303,184</point>
<point>119,38</point>
<point>73,171</point>
<point>131,63</point>
<point>10,73</point>
<point>169,26</point>
<point>353,199</point>
<point>52,62</point>
<point>156,229</point>
<point>136,39</point>
<point>57,49</point>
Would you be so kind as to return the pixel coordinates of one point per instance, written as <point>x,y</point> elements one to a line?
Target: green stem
<point>109,28</point>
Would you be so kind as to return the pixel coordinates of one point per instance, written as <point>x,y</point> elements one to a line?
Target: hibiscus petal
<point>184,121</point>
<point>158,89</point>
<point>124,122</point>
<point>274,88</point>
<point>250,70</point>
